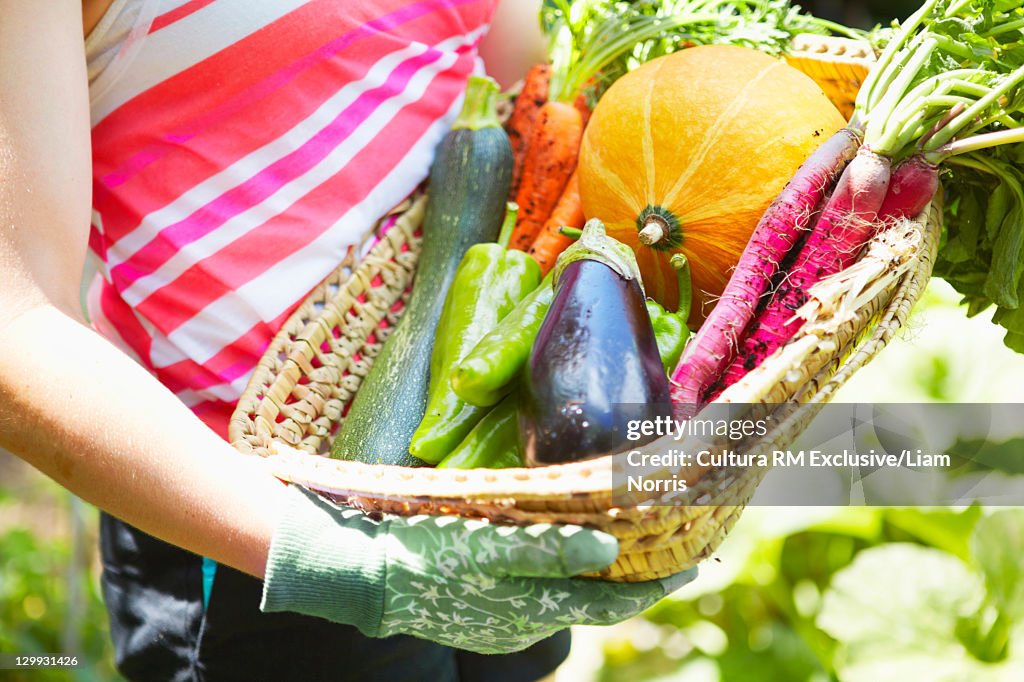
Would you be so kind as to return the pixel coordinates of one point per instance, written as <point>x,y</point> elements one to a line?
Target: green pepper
<point>487,373</point>
<point>670,332</point>
<point>489,282</point>
<point>670,329</point>
<point>493,443</point>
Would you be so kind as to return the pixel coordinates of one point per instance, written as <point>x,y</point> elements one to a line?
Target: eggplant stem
<point>570,232</point>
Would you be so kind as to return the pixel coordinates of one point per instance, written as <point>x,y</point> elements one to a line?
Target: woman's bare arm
<point>70,403</point>
<point>515,41</point>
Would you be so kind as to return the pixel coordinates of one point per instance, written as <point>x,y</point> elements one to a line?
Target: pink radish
<point>845,225</point>
<point>912,186</point>
<point>781,228</point>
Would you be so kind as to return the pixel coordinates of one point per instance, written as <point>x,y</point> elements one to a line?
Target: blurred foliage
<point>870,594</point>
<point>35,602</point>
<point>942,356</point>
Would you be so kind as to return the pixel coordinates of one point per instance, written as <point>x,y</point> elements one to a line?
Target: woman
<point>217,158</point>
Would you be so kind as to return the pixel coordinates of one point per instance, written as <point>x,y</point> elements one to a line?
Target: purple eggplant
<point>594,365</point>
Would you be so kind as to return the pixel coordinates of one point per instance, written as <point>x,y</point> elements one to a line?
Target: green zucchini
<point>469,183</point>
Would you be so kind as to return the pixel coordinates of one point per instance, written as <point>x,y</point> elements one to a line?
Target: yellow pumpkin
<point>691,148</point>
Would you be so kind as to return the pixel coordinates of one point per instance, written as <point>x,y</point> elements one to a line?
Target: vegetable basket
<point>300,391</point>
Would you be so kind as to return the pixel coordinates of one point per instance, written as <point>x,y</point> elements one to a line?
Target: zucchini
<point>469,183</point>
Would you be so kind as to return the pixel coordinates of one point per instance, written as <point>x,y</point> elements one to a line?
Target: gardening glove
<point>463,583</point>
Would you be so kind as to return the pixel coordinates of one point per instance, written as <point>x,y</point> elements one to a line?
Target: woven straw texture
<point>838,65</point>
<point>314,366</point>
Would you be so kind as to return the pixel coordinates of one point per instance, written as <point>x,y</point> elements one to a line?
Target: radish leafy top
<point>982,253</point>
<point>949,86</point>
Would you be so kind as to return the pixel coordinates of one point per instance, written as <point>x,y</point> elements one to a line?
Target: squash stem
<point>479,108</point>
<point>654,231</point>
<point>658,228</point>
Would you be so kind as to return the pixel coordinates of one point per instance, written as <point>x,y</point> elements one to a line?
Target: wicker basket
<point>838,65</point>
<point>313,368</point>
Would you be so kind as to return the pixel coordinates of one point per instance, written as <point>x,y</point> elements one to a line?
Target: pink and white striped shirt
<point>240,147</point>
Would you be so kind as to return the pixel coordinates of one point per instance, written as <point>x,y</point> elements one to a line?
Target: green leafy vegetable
<point>999,552</point>
<point>594,42</point>
<point>982,258</point>
<point>949,89</point>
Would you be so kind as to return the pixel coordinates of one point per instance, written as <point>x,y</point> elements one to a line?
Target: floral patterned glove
<point>468,584</point>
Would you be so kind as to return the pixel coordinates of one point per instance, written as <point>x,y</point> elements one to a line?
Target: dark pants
<point>161,631</point>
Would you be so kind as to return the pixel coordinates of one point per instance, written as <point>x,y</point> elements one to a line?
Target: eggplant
<point>594,365</point>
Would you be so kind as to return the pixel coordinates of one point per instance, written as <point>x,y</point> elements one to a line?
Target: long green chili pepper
<point>490,281</point>
<point>486,374</point>
<point>493,443</point>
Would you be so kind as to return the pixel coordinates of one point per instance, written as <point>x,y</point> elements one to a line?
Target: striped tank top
<point>240,149</point>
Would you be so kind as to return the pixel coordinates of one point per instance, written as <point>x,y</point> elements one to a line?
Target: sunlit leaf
<point>896,612</point>
<point>999,551</point>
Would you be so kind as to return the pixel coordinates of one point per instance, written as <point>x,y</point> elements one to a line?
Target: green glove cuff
<point>327,561</point>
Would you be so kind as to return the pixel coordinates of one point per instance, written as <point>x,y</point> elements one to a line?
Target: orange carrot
<point>528,103</point>
<point>550,160</point>
<point>569,211</point>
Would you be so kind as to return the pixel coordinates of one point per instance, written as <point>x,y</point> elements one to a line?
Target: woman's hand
<point>468,584</point>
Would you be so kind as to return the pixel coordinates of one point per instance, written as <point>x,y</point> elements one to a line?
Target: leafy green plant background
<point>49,578</point>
